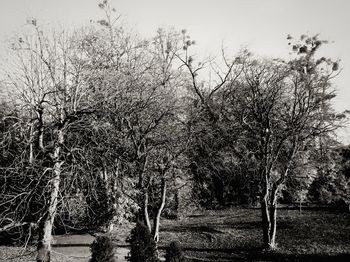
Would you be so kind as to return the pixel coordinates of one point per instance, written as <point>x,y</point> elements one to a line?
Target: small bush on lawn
<point>102,250</point>
<point>174,253</point>
<point>142,246</point>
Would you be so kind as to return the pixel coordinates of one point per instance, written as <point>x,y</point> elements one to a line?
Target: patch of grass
<point>314,232</point>
<point>236,234</point>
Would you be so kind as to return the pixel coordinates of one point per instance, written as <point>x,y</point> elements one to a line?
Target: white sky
<point>260,25</point>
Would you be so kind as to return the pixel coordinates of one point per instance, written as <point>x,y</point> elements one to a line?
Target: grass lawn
<point>235,234</point>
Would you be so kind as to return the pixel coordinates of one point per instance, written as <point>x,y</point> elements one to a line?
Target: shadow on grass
<point>193,229</point>
<point>211,227</point>
<point>299,257</point>
<point>256,254</point>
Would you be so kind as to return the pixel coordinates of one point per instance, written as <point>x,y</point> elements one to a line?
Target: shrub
<point>174,253</point>
<point>142,246</point>
<point>102,250</point>
<point>340,205</point>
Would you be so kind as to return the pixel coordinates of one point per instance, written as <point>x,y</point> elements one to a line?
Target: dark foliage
<point>331,186</point>
<point>143,247</point>
<point>102,250</point>
<point>174,253</point>
<point>222,171</point>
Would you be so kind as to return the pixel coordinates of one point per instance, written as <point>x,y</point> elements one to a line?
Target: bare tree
<point>141,90</point>
<point>49,83</point>
<point>277,109</point>
<point>282,108</point>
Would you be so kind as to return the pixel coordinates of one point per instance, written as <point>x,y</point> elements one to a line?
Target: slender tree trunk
<point>159,211</point>
<point>142,168</point>
<point>265,214</point>
<point>46,224</point>
<point>143,195</point>
<point>269,217</point>
<point>266,224</point>
<point>273,218</point>
<point>114,198</point>
<point>40,128</point>
<point>145,212</point>
<point>31,143</point>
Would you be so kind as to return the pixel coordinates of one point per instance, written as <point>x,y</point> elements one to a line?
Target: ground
<point>229,235</point>
<point>236,234</point>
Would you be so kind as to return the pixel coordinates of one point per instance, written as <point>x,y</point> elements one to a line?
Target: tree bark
<point>159,211</point>
<point>145,212</point>
<point>142,169</point>
<point>264,205</point>
<point>266,224</point>
<point>46,224</point>
<point>114,197</point>
<point>269,217</point>
<point>273,218</point>
<point>31,143</point>
<point>39,113</point>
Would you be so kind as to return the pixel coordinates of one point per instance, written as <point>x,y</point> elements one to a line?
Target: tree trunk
<point>31,143</point>
<point>269,218</point>
<point>143,189</point>
<point>46,224</point>
<point>159,212</point>
<point>114,198</point>
<point>266,223</point>
<point>145,212</point>
<point>143,161</point>
<point>265,215</point>
<point>40,128</point>
<point>273,219</point>
<point>44,244</point>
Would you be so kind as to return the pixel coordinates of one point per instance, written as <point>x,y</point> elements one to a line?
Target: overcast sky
<point>260,25</point>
